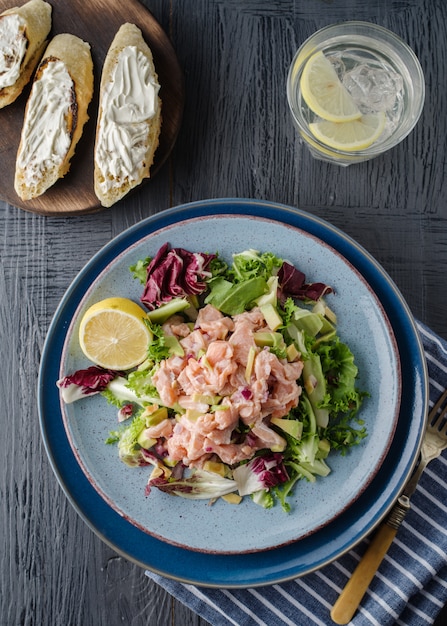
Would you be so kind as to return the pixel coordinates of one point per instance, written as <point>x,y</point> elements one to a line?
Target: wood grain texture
<point>96,22</point>
<point>236,140</point>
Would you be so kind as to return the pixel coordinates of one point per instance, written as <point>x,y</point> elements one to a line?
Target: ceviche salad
<point>242,386</point>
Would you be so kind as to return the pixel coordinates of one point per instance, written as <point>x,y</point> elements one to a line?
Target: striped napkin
<point>410,587</point>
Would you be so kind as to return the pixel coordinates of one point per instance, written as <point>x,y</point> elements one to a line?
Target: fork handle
<point>352,594</point>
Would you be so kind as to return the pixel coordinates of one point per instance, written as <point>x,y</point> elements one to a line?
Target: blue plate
<point>362,323</point>
<point>357,513</point>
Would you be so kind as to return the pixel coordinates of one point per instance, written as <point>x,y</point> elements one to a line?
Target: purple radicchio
<point>199,485</point>
<point>125,412</point>
<point>262,472</point>
<point>85,382</point>
<point>175,273</point>
<point>292,283</point>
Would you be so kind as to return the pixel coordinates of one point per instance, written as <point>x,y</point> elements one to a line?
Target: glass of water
<point>355,90</point>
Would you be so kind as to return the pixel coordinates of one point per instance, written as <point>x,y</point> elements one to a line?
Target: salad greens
<point>299,327</point>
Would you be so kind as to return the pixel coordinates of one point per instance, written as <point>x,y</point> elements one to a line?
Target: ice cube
<point>373,89</point>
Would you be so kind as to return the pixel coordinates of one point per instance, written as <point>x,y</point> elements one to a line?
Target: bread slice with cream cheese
<point>55,115</point>
<point>129,116</point>
<point>23,38</point>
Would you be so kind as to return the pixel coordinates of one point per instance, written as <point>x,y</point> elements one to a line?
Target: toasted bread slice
<point>23,38</point>
<point>55,115</point>
<point>129,116</point>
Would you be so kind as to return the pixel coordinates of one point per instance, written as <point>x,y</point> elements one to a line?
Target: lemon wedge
<point>324,93</point>
<point>350,136</point>
<point>113,335</point>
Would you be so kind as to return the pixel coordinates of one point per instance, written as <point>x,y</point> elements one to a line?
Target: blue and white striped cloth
<point>410,587</point>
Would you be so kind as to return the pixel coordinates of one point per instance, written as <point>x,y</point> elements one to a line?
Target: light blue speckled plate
<point>362,323</point>
<point>229,546</point>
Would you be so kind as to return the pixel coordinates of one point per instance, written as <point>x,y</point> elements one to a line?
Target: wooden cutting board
<point>94,21</point>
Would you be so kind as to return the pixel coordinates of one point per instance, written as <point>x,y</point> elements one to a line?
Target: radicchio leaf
<point>262,472</point>
<point>85,382</point>
<point>200,485</point>
<point>292,283</point>
<point>175,273</point>
<point>125,412</point>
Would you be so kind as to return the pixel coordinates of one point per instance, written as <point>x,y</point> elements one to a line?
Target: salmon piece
<point>176,364</point>
<point>235,381</point>
<point>217,352</point>
<point>193,379</point>
<point>176,326</point>
<point>223,420</point>
<point>227,417</point>
<point>163,429</point>
<point>174,320</point>
<point>188,402</point>
<point>213,323</point>
<point>218,438</point>
<point>194,344</point>
<point>247,401</point>
<point>177,444</point>
<point>268,438</point>
<point>254,317</point>
<point>284,392</point>
<point>234,453</point>
<point>210,373</point>
<point>219,356</point>
<point>187,443</point>
<point>195,440</point>
<point>242,341</point>
<point>180,330</point>
<point>293,370</point>
<point>166,384</point>
<point>207,314</point>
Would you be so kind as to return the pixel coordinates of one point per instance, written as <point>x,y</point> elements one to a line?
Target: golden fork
<point>434,442</point>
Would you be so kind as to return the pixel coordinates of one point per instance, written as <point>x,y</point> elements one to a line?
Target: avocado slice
<point>163,312</point>
<point>267,338</point>
<point>271,316</point>
<point>174,346</point>
<point>291,427</point>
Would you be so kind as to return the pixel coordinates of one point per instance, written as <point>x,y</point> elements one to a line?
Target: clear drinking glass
<point>379,70</point>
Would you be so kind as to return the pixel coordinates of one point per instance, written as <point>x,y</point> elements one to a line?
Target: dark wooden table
<point>236,140</point>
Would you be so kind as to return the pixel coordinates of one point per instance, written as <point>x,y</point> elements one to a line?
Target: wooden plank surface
<point>236,140</point>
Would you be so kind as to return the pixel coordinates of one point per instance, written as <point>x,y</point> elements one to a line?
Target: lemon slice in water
<point>324,93</point>
<point>113,334</point>
<point>350,136</point>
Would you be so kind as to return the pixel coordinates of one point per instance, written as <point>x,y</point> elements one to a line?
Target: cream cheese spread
<point>13,45</point>
<point>46,137</point>
<point>128,103</point>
